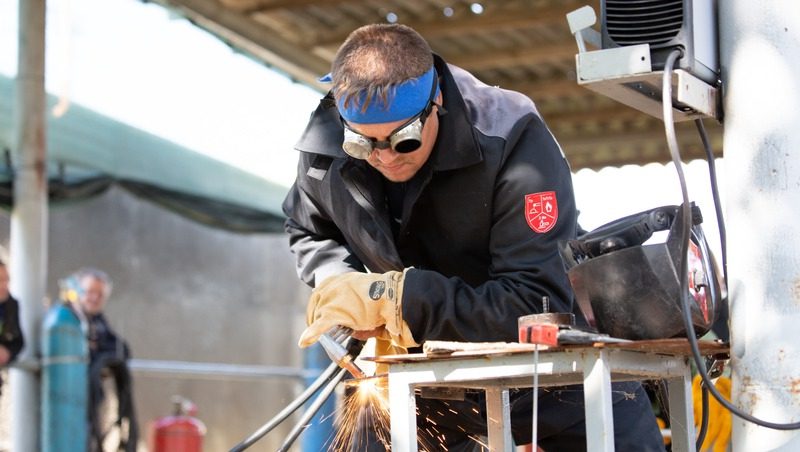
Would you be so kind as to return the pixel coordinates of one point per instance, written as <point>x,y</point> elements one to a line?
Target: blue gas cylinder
<point>65,382</point>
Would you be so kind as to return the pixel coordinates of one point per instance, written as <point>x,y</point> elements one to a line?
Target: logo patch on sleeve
<point>541,210</point>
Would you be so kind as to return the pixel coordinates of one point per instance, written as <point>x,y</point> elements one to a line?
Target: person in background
<point>429,206</point>
<point>108,354</point>
<point>95,290</point>
<point>11,338</point>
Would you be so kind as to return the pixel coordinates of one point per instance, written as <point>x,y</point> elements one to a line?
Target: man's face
<point>93,295</point>
<point>395,166</point>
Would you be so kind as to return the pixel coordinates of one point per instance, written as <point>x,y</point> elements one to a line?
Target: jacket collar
<point>456,144</point>
<point>324,132</point>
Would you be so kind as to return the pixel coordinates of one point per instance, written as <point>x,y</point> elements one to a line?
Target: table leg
<point>681,412</point>
<point>597,398</point>
<point>403,409</point>
<point>498,420</point>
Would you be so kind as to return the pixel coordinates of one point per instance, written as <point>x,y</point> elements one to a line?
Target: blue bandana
<point>405,100</point>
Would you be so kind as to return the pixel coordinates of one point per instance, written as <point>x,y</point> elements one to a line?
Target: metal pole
<point>28,253</point>
<point>759,50</point>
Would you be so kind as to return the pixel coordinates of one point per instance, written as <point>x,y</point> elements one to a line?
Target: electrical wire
<point>685,209</point>
<point>701,436</point>
<point>303,423</point>
<point>353,346</point>
<point>672,142</point>
<point>712,174</point>
<point>324,378</point>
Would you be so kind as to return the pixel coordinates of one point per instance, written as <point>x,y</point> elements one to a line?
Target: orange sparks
<point>364,419</point>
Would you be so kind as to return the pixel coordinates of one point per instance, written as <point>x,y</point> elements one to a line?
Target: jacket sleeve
<point>318,245</point>
<point>525,265</point>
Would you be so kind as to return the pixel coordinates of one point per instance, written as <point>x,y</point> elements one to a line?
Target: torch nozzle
<point>338,354</point>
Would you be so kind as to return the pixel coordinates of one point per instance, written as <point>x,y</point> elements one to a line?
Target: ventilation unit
<point>632,46</point>
<point>665,25</point>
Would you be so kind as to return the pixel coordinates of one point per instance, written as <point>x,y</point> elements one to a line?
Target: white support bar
<point>580,22</point>
<point>681,412</point>
<point>403,405</point>
<point>498,416</point>
<point>597,398</point>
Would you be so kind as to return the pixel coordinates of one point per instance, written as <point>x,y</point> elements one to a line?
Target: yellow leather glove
<point>384,347</point>
<point>360,301</point>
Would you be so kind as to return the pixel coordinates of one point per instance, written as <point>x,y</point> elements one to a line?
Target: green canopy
<point>87,152</point>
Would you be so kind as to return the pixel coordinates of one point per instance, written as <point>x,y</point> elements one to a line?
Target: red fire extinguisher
<point>180,432</point>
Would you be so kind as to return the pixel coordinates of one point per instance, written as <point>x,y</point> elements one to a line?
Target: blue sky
<point>147,67</point>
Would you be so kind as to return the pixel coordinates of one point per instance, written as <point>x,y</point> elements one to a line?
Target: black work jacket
<point>10,331</point>
<point>468,227</point>
<point>103,340</point>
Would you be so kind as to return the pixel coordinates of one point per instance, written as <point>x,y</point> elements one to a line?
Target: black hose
<point>712,173</point>
<point>326,376</point>
<point>701,437</point>
<point>303,423</point>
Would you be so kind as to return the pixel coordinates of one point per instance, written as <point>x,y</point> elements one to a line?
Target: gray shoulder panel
<point>492,110</point>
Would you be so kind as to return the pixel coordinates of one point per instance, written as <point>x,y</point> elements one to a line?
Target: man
<point>95,290</point>
<point>108,353</point>
<point>428,206</point>
<point>11,339</point>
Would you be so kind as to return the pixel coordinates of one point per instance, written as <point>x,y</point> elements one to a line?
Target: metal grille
<point>654,22</point>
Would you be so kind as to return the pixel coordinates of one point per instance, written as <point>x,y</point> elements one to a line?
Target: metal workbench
<point>495,370</point>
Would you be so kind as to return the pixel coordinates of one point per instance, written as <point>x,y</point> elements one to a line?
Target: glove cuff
<point>395,325</point>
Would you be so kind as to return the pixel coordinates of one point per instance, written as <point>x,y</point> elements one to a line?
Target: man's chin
<point>401,174</point>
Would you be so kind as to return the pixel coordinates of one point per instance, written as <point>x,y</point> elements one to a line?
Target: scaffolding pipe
<point>28,234</point>
<point>759,50</point>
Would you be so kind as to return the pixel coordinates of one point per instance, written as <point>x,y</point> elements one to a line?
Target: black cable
<point>326,376</point>
<point>685,208</point>
<point>712,174</point>
<point>303,423</point>
<point>701,436</point>
<point>672,142</point>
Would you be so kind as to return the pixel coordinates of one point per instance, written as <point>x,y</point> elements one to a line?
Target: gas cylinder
<point>180,432</point>
<point>65,381</point>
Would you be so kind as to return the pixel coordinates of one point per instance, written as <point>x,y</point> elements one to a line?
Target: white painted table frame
<point>594,367</point>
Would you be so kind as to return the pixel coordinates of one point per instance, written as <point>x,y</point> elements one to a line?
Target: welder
<point>429,206</point>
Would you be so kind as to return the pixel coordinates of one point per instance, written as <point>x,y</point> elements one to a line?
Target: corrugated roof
<point>523,45</point>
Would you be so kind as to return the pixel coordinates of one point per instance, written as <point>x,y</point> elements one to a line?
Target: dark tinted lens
<point>407,145</point>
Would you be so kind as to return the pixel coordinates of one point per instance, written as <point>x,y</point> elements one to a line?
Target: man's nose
<point>385,155</point>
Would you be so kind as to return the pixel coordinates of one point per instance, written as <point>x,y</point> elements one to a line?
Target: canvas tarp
<point>88,152</point>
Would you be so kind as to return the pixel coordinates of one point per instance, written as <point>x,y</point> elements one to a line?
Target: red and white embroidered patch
<point>541,210</point>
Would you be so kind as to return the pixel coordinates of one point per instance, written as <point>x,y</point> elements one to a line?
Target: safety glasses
<point>404,139</point>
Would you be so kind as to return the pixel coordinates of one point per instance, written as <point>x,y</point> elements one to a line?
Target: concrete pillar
<point>28,251</point>
<point>759,51</point>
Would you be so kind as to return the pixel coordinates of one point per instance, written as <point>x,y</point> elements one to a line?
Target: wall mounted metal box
<point>689,25</point>
<point>633,44</point>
